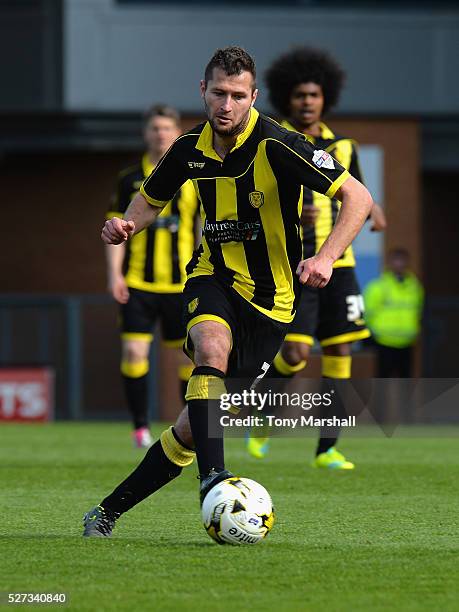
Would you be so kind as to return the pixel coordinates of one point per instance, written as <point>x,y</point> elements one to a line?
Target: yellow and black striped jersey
<point>345,151</point>
<point>250,204</point>
<point>157,256</point>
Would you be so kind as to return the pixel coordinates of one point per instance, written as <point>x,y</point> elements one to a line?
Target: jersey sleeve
<point>166,179</point>
<point>298,160</point>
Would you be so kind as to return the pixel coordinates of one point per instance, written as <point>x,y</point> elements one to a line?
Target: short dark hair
<point>161,110</point>
<point>232,60</point>
<point>304,65</point>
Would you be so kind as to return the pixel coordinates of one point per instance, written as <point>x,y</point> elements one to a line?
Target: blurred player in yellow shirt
<point>146,275</point>
<point>304,84</point>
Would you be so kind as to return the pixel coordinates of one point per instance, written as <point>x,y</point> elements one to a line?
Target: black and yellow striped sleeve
<point>300,161</point>
<point>165,180</point>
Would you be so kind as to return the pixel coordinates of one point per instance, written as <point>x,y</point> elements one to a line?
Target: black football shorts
<point>333,315</point>
<point>145,308</point>
<point>255,337</point>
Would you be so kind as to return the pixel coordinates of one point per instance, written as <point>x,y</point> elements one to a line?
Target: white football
<point>238,511</point>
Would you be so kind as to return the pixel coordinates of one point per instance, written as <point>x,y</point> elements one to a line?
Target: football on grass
<point>238,511</point>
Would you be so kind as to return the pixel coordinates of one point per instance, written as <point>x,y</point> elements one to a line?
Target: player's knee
<point>212,345</point>
<point>295,353</point>
<point>212,352</point>
<point>135,351</point>
<point>134,361</point>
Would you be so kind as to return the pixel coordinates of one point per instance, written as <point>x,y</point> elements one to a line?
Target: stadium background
<point>76,75</point>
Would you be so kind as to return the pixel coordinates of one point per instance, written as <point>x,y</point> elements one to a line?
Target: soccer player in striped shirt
<point>304,84</point>
<point>146,275</point>
<point>240,294</point>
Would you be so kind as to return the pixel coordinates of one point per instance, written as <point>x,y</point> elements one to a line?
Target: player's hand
<point>315,271</point>
<point>116,230</point>
<point>378,218</point>
<point>118,289</point>
<point>309,215</point>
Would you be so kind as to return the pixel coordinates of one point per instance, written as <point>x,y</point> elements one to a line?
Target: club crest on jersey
<point>322,159</point>
<point>256,198</point>
<point>193,305</point>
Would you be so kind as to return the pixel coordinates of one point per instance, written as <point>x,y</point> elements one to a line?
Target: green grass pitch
<point>384,537</point>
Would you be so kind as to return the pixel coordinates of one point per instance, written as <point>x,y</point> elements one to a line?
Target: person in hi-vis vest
<point>393,311</point>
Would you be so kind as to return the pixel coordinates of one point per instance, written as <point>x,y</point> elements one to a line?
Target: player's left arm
<point>298,160</point>
<point>319,171</point>
<point>156,191</point>
<point>356,203</point>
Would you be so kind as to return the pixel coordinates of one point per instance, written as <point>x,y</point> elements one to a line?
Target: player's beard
<point>228,132</point>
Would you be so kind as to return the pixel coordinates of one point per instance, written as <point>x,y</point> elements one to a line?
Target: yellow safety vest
<point>393,309</point>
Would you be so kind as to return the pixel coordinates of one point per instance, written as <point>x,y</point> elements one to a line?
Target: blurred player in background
<point>147,274</point>
<point>394,304</point>
<point>304,84</point>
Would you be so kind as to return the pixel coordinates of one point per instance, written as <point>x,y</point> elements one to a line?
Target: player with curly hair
<point>304,84</point>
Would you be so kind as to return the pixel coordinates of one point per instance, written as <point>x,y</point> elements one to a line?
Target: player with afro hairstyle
<point>304,65</point>
<point>304,84</point>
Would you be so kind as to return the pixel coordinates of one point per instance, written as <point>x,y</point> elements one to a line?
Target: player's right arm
<point>157,190</point>
<point>138,216</point>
